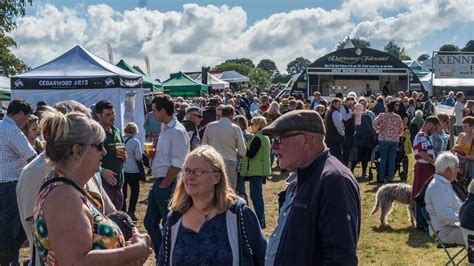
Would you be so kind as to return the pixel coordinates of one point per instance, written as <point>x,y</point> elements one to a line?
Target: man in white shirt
<point>459,111</point>
<point>171,151</point>
<point>228,140</point>
<point>15,153</point>
<point>442,203</point>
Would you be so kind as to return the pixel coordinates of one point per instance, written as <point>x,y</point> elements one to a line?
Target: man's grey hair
<point>444,161</point>
<point>419,113</point>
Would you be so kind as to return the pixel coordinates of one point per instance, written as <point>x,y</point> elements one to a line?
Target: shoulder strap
<point>65,180</point>
<point>127,140</point>
<point>71,183</point>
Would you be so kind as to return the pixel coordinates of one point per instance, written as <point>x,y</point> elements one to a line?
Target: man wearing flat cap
<point>320,217</point>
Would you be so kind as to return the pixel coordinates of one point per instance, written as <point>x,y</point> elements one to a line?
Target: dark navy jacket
<point>324,221</point>
<point>242,224</point>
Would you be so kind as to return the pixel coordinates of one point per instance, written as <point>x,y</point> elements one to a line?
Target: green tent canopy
<point>182,85</point>
<point>5,92</point>
<point>149,83</point>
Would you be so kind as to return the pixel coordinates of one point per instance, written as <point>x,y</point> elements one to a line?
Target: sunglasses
<point>198,115</point>
<point>278,139</point>
<point>99,145</point>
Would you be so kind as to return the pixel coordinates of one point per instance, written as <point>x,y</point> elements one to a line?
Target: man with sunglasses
<point>319,221</point>
<point>191,122</point>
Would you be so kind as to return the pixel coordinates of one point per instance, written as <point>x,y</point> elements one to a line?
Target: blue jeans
<point>12,234</point>
<point>336,150</point>
<point>388,151</point>
<point>157,211</point>
<point>240,189</point>
<point>256,194</point>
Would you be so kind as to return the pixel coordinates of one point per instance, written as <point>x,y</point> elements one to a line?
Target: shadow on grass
<point>389,229</point>
<point>416,239</point>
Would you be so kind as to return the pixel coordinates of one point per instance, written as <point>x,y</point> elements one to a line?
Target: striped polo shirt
<point>423,143</point>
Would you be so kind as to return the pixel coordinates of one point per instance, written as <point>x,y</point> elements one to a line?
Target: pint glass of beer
<point>149,149</point>
<point>119,150</point>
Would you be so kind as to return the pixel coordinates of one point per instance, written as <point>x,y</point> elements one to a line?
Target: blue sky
<point>182,35</point>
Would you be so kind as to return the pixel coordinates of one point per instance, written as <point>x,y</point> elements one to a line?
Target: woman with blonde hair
<point>31,131</point>
<point>209,224</point>
<point>67,219</point>
<point>256,165</point>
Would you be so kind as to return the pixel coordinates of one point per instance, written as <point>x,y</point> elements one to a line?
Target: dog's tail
<point>376,206</point>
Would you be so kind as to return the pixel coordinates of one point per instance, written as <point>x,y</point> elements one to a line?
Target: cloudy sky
<point>181,35</point>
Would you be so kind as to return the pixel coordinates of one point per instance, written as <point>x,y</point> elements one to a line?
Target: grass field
<point>397,244</point>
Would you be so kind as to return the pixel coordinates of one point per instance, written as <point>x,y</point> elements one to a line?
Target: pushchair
<point>401,162</point>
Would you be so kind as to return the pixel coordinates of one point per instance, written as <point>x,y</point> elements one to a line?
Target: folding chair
<point>468,236</point>
<point>444,246</point>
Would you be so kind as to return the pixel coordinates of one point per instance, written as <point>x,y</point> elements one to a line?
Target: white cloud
<point>207,35</point>
<point>411,27</point>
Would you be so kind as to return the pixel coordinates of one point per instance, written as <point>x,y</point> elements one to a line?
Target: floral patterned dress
<point>106,234</point>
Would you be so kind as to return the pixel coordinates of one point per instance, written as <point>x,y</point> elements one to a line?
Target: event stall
<point>351,69</point>
<point>213,82</point>
<point>182,85</point>
<point>148,83</point>
<point>232,77</point>
<point>80,75</point>
<point>5,92</point>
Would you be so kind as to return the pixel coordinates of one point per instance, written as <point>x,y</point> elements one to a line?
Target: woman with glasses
<point>256,165</point>
<point>209,224</point>
<point>66,219</point>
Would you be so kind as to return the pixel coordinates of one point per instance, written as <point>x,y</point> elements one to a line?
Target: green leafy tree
<point>243,61</point>
<point>9,63</point>
<point>228,66</point>
<point>404,57</point>
<point>297,66</point>
<point>9,11</point>
<point>449,47</point>
<point>392,48</point>
<point>269,66</point>
<point>357,42</point>
<point>281,78</point>
<point>469,47</point>
<point>423,57</point>
<point>259,78</point>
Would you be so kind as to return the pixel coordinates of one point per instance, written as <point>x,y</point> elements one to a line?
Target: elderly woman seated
<point>442,203</point>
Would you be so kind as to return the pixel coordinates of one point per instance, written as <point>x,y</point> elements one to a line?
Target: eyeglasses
<point>99,145</point>
<point>278,139</point>
<point>198,115</point>
<point>196,172</point>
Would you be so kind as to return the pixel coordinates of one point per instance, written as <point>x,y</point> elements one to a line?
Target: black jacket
<point>324,221</point>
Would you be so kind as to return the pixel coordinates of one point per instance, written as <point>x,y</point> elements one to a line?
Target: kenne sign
<point>454,65</point>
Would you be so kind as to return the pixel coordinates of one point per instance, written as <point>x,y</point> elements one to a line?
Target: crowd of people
<point>67,172</point>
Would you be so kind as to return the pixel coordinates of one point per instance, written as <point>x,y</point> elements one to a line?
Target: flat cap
<point>297,120</point>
